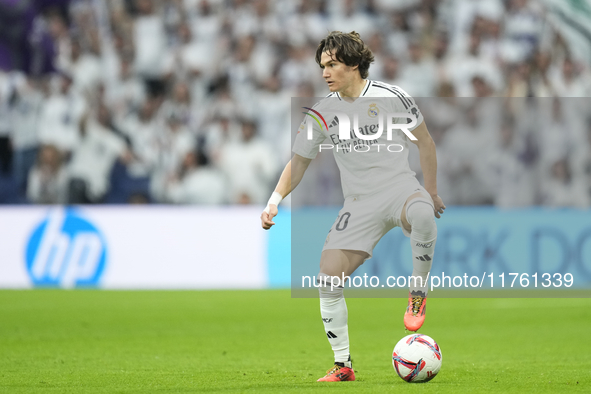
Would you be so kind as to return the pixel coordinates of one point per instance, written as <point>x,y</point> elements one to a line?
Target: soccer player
<point>380,190</point>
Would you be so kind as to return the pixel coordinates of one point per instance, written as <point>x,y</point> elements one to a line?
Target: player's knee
<point>421,218</point>
<point>420,214</point>
<point>329,286</point>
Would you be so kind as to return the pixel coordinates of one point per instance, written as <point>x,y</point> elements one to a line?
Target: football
<point>417,358</point>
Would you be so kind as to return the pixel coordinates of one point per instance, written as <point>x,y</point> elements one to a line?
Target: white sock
<point>421,266</point>
<point>334,315</point>
<point>422,242</point>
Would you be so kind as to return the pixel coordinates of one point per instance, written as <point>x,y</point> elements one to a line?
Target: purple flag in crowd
<point>25,43</point>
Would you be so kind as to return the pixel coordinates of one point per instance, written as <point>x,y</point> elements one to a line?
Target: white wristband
<point>275,200</point>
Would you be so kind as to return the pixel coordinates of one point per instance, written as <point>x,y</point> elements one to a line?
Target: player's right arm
<point>305,149</point>
<point>290,178</point>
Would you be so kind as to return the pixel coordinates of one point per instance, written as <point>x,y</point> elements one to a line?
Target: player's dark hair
<point>347,48</point>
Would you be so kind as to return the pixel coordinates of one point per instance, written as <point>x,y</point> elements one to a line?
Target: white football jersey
<point>366,166</point>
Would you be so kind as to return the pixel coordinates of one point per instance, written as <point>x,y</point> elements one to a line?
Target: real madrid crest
<point>373,110</point>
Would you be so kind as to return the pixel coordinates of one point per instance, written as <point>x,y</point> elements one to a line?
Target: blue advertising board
<point>542,246</point>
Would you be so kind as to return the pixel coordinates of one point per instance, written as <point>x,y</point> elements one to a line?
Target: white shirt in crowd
<point>203,186</point>
<point>150,45</point>
<point>60,120</point>
<point>511,182</point>
<point>143,136</point>
<point>44,188</point>
<point>173,146</point>
<point>87,72</point>
<point>5,91</point>
<point>26,113</point>
<point>465,145</point>
<point>250,167</point>
<point>126,94</point>
<point>94,157</point>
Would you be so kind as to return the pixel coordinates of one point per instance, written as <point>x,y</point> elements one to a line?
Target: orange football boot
<point>338,374</point>
<point>415,311</point>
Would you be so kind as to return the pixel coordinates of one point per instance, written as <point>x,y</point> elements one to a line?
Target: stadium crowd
<point>189,101</point>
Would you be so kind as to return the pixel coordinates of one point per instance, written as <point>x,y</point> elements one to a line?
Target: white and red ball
<point>417,358</point>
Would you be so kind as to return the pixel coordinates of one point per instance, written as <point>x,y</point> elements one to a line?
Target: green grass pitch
<point>265,341</point>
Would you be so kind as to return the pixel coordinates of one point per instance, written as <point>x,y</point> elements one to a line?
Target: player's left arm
<point>428,158</point>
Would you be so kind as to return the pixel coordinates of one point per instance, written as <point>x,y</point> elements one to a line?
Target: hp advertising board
<point>66,250</point>
<point>118,247</point>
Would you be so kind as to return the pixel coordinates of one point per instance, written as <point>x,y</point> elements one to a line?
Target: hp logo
<point>66,250</point>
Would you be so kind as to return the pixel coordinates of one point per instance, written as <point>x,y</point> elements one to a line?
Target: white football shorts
<point>364,220</point>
